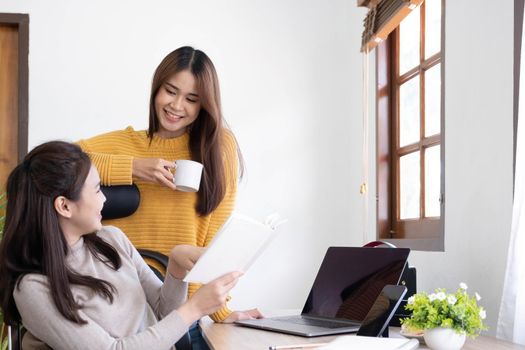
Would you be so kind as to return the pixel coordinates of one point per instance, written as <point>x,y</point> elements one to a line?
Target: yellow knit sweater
<point>165,217</point>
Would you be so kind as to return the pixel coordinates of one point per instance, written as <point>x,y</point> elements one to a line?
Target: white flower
<point>432,297</point>
<point>463,286</point>
<point>441,296</point>
<point>482,313</point>
<point>451,299</point>
<point>478,297</point>
<point>411,300</point>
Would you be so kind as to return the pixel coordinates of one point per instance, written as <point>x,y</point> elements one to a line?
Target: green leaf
<point>428,311</point>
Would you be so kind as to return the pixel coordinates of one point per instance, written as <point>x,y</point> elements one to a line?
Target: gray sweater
<point>142,315</point>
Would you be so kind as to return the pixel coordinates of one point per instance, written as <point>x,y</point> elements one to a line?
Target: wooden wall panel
<point>9,82</point>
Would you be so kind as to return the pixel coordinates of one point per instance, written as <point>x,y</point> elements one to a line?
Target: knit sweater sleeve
<point>162,297</point>
<point>112,154</point>
<point>225,208</point>
<point>42,319</point>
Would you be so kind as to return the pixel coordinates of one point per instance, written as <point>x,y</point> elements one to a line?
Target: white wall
<point>290,78</point>
<point>479,77</point>
<point>290,75</point>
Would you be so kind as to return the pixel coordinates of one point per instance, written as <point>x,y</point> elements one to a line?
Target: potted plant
<point>446,318</point>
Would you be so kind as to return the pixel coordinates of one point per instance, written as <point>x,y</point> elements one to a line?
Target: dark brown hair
<point>207,133</point>
<point>33,240</point>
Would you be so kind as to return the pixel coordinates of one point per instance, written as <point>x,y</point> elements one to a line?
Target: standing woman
<point>78,285</point>
<point>185,122</point>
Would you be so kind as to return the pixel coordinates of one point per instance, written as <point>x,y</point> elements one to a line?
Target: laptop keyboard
<point>314,322</point>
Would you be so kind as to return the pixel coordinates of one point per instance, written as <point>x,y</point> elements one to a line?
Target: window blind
<point>382,18</point>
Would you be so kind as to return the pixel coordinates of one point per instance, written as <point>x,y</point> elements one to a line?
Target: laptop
<point>347,284</point>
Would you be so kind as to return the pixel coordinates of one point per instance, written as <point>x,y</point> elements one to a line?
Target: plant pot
<point>444,339</point>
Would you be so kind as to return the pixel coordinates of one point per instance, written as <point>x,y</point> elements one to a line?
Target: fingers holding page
<point>221,286</point>
<point>229,280</point>
<point>208,298</point>
<point>182,258</point>
<point>186,255</point>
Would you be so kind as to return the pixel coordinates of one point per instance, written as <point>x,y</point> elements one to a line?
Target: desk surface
<point>230,336</point>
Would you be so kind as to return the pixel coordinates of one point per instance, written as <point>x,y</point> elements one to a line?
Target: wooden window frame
<point>424,233</point>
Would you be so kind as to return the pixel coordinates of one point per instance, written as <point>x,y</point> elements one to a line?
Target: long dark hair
<point>33,240</point>
<point>207,133</point>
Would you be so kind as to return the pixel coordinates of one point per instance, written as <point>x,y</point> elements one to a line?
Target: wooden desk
<point>220,336</point>
<point>232,337</point>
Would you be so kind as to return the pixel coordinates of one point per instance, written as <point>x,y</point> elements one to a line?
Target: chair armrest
<point>153,255</point>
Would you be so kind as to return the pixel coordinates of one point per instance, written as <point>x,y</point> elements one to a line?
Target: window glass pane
<point>409,186</point>
<point>432,27</point>
<point>432,181</point>
<point>433,100</point>
<point>409,41</point>
<point>409,112</point>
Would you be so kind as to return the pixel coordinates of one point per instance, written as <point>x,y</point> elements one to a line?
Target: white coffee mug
<point>187,175</point>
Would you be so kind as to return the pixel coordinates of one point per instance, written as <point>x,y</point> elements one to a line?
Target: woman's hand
<point>243,315</point>
<point>208,298</point>
<point>182,258</point>
<point>154,170</point>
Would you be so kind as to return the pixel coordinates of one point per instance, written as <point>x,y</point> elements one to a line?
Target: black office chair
<point>122,201</point>
<point>408,279</point>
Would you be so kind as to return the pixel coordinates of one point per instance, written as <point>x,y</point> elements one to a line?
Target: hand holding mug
<point>187,176</point>
<point>154,170</point>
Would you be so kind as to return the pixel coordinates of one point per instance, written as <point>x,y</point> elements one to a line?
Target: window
<point>410,183</point>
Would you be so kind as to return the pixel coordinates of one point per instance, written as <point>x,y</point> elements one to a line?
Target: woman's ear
<point>63,206</point>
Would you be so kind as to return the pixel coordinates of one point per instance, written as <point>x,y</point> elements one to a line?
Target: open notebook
<point>235,247</point>
<point>370,343</point>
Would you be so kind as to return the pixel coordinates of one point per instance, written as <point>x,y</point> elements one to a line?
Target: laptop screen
<point>351,278</point>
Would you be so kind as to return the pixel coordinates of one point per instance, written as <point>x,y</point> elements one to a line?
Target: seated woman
<point>78,285</point>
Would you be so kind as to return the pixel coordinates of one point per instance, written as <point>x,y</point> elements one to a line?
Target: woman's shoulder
<point>114,236</point>
<point>229,143</point>
<point>228,137</point>
<point>32,278</point>
<point>142,134</point>
<point>116,136</point>
<point>29,284</point>
<point>127,131</point>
